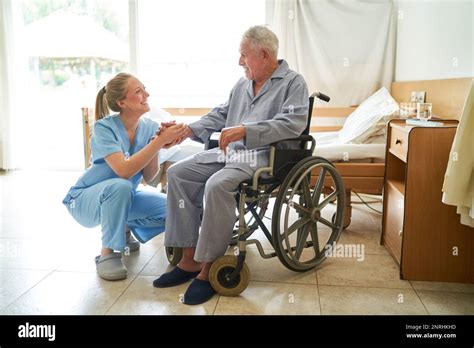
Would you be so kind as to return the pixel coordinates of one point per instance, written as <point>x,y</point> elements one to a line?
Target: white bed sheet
<point>329,146</point>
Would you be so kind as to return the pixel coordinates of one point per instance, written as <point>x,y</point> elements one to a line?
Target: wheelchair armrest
<point>213,141</point>
<point>303,137</point>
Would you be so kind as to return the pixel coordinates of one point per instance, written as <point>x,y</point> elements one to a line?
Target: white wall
<point>435,39</point>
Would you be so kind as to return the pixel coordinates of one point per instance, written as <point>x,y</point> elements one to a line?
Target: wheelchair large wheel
<point>250,221</point>
<point>304,225</point>
<point>174,255</point>
<point>219,276</point>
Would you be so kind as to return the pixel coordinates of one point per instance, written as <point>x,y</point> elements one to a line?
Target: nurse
<point>124,149</point>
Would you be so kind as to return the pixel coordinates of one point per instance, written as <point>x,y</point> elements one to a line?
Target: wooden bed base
<point>360,177</point>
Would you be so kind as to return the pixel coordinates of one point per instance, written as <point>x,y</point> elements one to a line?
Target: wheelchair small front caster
<point>174,255</point>
<point>219,274</point>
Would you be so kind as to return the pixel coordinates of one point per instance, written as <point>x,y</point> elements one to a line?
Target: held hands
<point>165,125</point>
<point>172,134</point>
<point>229,135</point>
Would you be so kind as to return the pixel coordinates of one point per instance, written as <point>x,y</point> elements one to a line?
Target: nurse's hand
<point>165,125</point>
<point>172,135</point>
<point>167,146</point>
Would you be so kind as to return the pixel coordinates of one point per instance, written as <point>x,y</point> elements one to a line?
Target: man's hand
<point>189,133</point>
<point>229,135</point>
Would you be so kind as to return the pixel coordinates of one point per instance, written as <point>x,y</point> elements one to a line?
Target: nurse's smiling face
<point>136,99</point>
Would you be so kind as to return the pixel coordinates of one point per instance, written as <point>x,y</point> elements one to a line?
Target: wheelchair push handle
<point>318,95</point>
<point>321,96</point>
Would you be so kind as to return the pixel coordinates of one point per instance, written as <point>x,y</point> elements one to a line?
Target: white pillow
<point>362,123</point>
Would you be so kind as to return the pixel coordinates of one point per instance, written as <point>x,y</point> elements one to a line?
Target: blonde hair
<point>108,96</point>
<point>262,37</point>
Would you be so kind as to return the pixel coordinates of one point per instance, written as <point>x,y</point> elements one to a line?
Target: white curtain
<point>458,187</point>
<point>5,9</point>
<point>345,49</point>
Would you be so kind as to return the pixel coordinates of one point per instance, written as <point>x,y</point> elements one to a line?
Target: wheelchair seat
<point>261,181</point>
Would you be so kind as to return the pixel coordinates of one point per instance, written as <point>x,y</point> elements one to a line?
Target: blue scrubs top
<point>109,137</point>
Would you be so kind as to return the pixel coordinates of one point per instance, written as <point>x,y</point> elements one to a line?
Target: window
<point>189,50</point>
<point>73,48</point>
<point>187,57</point>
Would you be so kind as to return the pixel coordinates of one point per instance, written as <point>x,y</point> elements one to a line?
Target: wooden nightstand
<point>423,235</point>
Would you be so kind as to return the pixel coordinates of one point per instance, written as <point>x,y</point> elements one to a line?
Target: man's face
<point>252,60</point>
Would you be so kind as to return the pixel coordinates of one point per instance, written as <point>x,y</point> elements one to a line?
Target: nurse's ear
<point>120,103</point>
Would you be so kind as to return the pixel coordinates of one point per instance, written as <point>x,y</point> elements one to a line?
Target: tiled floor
<point>46,267</point>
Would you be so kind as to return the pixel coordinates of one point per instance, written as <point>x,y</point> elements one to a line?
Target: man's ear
<point>265,53</point>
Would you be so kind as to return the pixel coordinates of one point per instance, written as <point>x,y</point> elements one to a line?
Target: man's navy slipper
<point>175,277</point>
<point>198,292</point>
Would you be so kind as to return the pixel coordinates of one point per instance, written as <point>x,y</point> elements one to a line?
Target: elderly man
<point>268,106</point>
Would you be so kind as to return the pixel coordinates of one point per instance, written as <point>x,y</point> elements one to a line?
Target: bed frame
<point>448,97</point>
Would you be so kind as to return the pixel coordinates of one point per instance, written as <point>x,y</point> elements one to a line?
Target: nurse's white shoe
<point>111,267</point>
<point>131,243</point>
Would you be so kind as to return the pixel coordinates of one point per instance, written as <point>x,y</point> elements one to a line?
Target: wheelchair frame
<point>290,171</point>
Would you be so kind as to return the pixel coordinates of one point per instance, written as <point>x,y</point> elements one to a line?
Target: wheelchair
<point>307,217</point>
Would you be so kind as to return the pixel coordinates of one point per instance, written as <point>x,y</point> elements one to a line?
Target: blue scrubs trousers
<point>113,204</point>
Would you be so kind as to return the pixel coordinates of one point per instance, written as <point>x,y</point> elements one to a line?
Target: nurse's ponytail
<point>108,96</point>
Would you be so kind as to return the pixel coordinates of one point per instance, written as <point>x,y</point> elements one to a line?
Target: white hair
<point>262,37</point>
